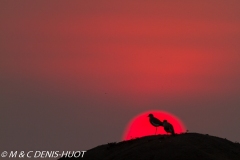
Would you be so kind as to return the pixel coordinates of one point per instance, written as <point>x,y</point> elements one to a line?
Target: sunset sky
<point>74,73</point>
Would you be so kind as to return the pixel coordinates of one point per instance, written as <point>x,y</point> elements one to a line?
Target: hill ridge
<point>186,146</point>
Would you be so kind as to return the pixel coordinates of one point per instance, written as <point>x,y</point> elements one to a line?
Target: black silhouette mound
<point>188,146</point>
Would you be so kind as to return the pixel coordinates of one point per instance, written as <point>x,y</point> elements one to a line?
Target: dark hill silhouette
<point>188,146</point>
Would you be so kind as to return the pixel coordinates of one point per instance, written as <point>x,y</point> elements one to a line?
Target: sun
<point>140,126</point>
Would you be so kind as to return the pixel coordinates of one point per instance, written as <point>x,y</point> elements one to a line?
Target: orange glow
<point>140,126</point>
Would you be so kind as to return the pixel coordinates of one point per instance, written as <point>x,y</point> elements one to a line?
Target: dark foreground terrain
<point>188,146</point>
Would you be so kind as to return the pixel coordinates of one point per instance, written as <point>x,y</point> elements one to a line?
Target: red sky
<point>182,57</point>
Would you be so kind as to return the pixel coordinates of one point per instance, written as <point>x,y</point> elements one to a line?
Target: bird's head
<point>150,115</point>
<point>165,120</point>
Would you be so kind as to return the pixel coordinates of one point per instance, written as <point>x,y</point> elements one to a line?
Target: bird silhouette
<point>154,121</point>
<point>168,127</point>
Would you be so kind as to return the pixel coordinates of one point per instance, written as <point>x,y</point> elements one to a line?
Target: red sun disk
<point>140,126</point>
